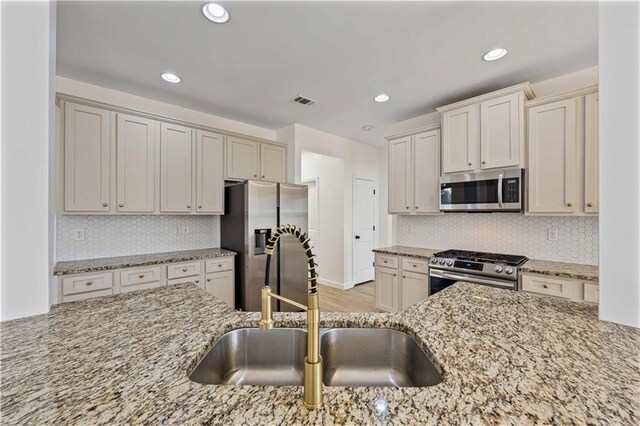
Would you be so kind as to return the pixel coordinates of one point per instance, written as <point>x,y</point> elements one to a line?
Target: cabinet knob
<point>407,207</point>
<point>255,175</point>
<point>199,207</point>
<point>414,265</point>
<point>188,206</point>
<point>589,204</point>
<point>89,283</point>
<point>197,281</point>
<point>219,265</point>
<point>208,279</point>
<point>121,205</point>
<point>404,276</point>
<point>262,176</point>
<point>384,261</point>
<point>184,269</point>
<point>484,162</point>
<point>545,286</point>
<point>141,276</point>
<point>569,204</point>
<point>416,207</point>
<point>470,164</point>
<point>395,275</point>
<point>105,204</point>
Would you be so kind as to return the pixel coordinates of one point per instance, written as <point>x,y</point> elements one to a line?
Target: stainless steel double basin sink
<point>351,357</point>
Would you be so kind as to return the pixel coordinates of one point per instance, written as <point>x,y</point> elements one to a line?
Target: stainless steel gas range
<point>492,269</point>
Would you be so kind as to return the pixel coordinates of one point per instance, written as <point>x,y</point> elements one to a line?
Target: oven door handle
<point>500,190</point>
<point>471,278</point>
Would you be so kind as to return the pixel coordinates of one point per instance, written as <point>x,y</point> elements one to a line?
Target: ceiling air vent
<point>303,101</point>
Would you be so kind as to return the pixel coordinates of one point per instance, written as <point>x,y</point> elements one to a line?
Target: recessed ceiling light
<point>171,77</point>
<point>367,128</point>
<point>215,13</point>
<point>495,54</point>
<point>382,97</point>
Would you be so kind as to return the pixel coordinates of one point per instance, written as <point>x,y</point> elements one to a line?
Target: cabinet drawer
<point>86,283</point>
<point>183,270</point>
<point>143,286</point>
<point>387,261</point>
<point>219,264</point>
<point>549,286</point>
<point>420,266</point>
<point>88,295</point>
<point>591,292</point>
<point>139,275</point>
<point>196,279</point>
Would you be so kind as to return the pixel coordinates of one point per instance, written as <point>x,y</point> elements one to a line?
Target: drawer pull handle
<point>545,286</point>
<point>141,276</point>
<point>184,269</point>
<point>89,282</point>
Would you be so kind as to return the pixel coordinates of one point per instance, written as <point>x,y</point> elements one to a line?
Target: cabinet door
<point>209,173</point>
<point>387,294</point>
<point>552,157</point>
<point>591,154</point>
<point>400,176</point>
<point>137,147</point>
<point>87,158</point>
<point>413,288</point>
<point>426,167</point>
<point>243,159</point>
<point>273,163</point>
<point>460,139</point>
<point>500,131</point>
<point>220,284</point>
<point>175,169</point>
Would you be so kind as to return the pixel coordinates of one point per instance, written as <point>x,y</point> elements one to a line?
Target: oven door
<point>440,279</point>
<point>486,191</point>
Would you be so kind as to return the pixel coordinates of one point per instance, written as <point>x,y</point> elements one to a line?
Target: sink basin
<point>250,356</point>
<point>374,357</point>
<point>351,356</point>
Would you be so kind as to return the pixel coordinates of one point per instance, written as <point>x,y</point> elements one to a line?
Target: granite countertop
<point>546,267</point>
<point>420,253</point>
<point>561,269</point>
<point>107,263</point>
<point>506,357</point>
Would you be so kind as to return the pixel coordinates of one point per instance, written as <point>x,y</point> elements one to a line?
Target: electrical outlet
<point>178,229</point>
<point>552,234</point>
<point>185,230</point>
<point>78,234</point>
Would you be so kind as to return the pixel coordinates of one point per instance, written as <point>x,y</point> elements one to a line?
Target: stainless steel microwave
<point>491,191</point>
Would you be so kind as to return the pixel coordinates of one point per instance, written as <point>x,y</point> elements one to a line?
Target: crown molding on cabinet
<point>412,132</point>
<point>522,87</point>
<point>153,116</point>
<point>561,96</point>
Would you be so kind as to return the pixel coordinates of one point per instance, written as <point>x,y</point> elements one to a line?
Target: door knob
<point>357,237</point>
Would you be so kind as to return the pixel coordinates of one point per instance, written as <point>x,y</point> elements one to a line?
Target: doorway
<point>313,197</point>
<point>364,229</point>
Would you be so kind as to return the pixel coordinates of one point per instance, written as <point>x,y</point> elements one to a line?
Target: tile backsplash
<point>511,233</point>
<point>106,236</point>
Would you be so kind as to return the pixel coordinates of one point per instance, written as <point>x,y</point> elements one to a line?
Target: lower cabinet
<point>215,276</point>
<point>400,282</point>
<point>566,288</point>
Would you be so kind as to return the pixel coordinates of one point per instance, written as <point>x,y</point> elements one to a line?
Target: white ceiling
<point>423,54</point>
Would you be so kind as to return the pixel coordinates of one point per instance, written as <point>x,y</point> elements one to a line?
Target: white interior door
<point>313,197</point>
<point>364,221</point>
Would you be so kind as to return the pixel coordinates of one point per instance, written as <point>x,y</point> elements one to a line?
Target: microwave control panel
<point>511,190</point>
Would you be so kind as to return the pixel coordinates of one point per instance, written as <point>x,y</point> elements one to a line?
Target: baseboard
<point>330,283</point>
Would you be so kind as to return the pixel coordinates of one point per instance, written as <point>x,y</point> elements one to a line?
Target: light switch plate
<point>79,234</point>
<point>552,234</point>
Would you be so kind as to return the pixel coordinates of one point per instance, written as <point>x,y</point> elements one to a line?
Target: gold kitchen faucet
<point>313,360</point>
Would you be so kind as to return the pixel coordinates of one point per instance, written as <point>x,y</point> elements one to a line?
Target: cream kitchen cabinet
<point>209,172</point>
<point>175,169</point>
<point>400,282</point>
<point>565,288</point>
<point>414,172</point>
<point>221,285</point>
<point>137,145</point>
<point>485,132</point>
<point>563,155</point>
<point>253,160</point>
<point>88,153</point>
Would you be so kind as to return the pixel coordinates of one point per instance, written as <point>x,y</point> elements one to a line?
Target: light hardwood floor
<point>357,299</point>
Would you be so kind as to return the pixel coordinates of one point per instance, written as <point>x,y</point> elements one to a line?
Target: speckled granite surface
<point>420,253</point>
<point>560,269</point>
<point>507,358</point>
<point>107,263</point>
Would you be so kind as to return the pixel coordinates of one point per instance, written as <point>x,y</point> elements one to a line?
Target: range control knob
<point>509,271</point>
<point>442,261</point>
<point>449,262</point>
<point>498,268</point>
<point>434,260</point>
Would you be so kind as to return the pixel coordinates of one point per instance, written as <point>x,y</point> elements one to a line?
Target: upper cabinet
<point>253,160</point>
<point>414,172</point>
<point>563,154</point>
<point>137,146</point>
<point>209,172</point>
<point>88,141</point>
<point>485,132</point>
<point>175,169</point>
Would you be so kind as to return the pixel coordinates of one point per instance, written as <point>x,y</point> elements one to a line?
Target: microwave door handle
<point>500,190</point>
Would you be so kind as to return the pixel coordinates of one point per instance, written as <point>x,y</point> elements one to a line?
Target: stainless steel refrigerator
<point>253,210</point>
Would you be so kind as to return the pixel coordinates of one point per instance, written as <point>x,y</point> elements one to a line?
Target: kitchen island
<point>506,357</point>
